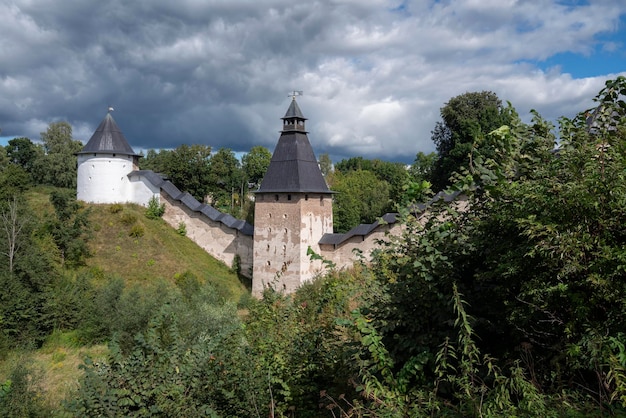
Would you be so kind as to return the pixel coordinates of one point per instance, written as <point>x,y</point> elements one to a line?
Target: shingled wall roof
<point>192,204</point>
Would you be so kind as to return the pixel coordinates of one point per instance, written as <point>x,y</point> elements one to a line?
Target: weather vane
<point>295,93</point>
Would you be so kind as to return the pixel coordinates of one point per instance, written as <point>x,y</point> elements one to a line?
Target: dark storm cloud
<point>375,73</point>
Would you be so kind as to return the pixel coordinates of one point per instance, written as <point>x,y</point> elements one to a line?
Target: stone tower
<point>104,164</point>
<point>293,210</point>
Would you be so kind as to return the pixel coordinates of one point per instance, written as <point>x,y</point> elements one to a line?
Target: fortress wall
<point>345,254</point>
<point>214,237</point>
<point>140,191</point>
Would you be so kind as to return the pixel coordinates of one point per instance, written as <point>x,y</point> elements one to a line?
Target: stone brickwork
<point>286,226</point>
<point>217,239</point>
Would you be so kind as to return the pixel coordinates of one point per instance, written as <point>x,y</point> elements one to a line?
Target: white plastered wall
<point>103,178</point>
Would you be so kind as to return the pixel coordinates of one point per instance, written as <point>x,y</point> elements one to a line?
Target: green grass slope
<point>124,242</point>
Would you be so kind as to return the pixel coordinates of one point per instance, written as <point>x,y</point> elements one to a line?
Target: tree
<point>466,118</point>
<point>394,174</point>
<point>24,153</point>
<point>361,198</point>
<point>187,166</point>
<point>326,164</point>
<point>14,180</point>
<point>12,225</point>
<point>422,166</point>
<point>225,178</point>
<point>4,160</point>
<point>255,164</point>
<point>533,260</point>
<point>69,228</point>
<point>58,166</point>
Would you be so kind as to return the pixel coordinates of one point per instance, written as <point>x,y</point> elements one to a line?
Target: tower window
<point>276,197</point>
<point>288,197</point>
<point>306,197</point>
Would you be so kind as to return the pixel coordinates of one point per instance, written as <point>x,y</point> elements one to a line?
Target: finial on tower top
<point>295,93</point>
<point>111,109</point>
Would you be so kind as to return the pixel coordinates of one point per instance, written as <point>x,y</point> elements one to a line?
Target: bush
<point>136,231</point>
<point>20,395</point>
<point>182,228</point>
<point>128,218</point>
<point>155,209</point>
<point>115,208</point>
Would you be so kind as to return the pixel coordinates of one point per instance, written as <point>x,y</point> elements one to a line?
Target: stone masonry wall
<point>215,238</point>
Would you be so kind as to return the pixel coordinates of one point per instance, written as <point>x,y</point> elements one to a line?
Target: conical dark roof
<point>293,168</point>
<point>108,138</point>
<point>294,111</point>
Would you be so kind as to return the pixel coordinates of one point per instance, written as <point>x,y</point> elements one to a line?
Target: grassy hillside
<point>128,244</point>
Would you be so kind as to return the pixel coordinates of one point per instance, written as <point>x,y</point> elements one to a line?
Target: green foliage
<point>187,167</point>
<point>23,153</point>
<point>137,231</point>
<point>326,164</point>
<point>422,166</point>
<point>57,166</point>
<point>225,179</point>
<point>115,208</point>
<point>536,246</point>
<point>14,181</point>
<point>190,360</point>
<point>361,198</point>
<point>395,175</point>
<point>255,163</point>
<point>128,218</point>
<point>20,394</point>
<point>182,228</point>
<point>69,228</point>
<point>155,210</point>
<point>466,119</point>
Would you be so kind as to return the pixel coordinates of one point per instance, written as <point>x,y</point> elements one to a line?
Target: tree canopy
<point>465,119</point>
<point>361,198</point>
<point>57,167</point>
<point>255,163</point>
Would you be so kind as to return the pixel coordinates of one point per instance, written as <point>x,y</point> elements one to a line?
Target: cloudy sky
<point>374,72</point>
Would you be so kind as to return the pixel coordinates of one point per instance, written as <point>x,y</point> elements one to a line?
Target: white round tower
<point>104,164</point>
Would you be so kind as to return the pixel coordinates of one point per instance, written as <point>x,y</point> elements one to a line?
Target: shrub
<point>115,208</point>
<point>128,218</point>
<point>136,231</point>
<point>182,228</point>
<point>155,209</point>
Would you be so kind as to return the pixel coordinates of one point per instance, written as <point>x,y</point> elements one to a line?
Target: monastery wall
<point>344,254</point>
<point>217,239</point>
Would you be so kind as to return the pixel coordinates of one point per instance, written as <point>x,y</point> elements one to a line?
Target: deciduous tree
<point>465,119</point>
<point>255,164</point>
<point>57,167</point>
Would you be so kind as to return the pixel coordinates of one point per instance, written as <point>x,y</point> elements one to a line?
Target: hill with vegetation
<point>128,253</point>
